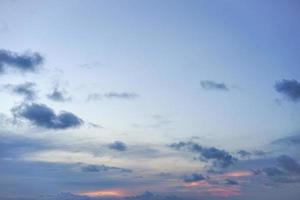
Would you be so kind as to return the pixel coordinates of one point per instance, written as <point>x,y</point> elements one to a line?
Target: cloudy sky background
<point>149,99</point>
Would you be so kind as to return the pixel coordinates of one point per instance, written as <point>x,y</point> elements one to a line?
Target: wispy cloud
<point>289,140</point>
<point>212,85</point>
<point>27,90</point>
<point>58,95</point>
<point>112,95</point>
<point>103,168</point>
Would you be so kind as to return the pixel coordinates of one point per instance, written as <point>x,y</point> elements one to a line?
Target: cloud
<point>121,95</point>
<point>14,146</point>
<point>231,182</point>
<point>112,95</point>
<point>244,153</point>
<point>288,164</point>
<point>58,95</point>
<point>289,88</point>
<point>212,85</point>
<point>195,177</point>
<point>272,171</point>
<point>290,140</point>
<point>25,89</point>
<point>43,116</point>
<point>26,62</point>
<point>118,146</point>
<point>94,97</point>
<point>103,168</point>
<point>247,154</point>
<point>221,158</point>
<point>150,196</point>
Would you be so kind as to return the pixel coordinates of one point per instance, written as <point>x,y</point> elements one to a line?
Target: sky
<point>149,100</point>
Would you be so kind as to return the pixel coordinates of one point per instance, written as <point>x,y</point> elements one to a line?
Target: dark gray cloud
<point>118,146</point>
<point>103,168</point>
<point>26,62</point>
<point>212,85</point>
<point>288,164</point>
<point>58,95</point>
<point>195,177</point>
<point>27,90</point>
<point>43,116</point>
<point>221,158</point>
<point>289,88</point>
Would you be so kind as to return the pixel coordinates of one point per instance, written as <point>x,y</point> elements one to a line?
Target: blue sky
<point>115,98</point>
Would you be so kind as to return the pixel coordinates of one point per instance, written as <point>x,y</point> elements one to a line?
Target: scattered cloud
<point>118,146</point>
<point>195,177</point>
<point>27,90</point>
<point>45,117</point>
<point>247,154</point>
<point>221,158</point>
<point>26,62</point>
<point>58,95</point>
<point>289,88</point>
<point>212,85</point>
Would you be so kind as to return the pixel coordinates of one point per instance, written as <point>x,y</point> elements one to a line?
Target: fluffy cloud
<point>26,62</point>
<point>43,116</point>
